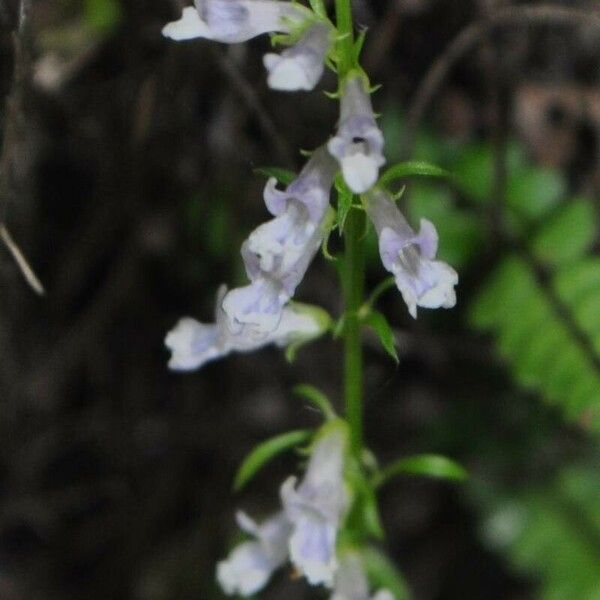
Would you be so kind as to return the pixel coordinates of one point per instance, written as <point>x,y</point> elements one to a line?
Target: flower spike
<point>409,256</point>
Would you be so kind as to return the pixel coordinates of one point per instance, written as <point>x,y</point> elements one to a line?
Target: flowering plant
<point>327,520</point>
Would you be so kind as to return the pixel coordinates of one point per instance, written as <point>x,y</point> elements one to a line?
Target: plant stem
<point>354,263</point>
<point>343,16</point>
<point>354,268</point>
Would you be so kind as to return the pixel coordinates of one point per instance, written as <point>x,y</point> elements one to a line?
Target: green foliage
<point>316,397</point>
<point>267,451</point>
<point>542,347</point>
<point>552,533</point>
<point>411,168</point>
<point>344,202</point>
<point>383,574</point>
<point>566,234</point>
<point>429,465</point>
<point>102,15</point>
<point>379,324</point>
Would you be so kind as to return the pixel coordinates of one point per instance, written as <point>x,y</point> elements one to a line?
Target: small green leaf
<point>411,168</point>
<point>265,452</point>
<point>567,233</point>
<point>384,332</point>
<point>383,574</point>
<point>430,465</point>
<point>284,176</point>
<point>316,397</point>
<point>533,192</point>
<point>103,15</point>
<point>344,203</point>
<point>364,516</point>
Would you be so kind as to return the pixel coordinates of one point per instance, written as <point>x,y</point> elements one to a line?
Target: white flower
<point>277,253</point>
<point>251,564</point>
<point>316,507</point>
<point>351,582</point>
<point>301,66</point>
<point>233,21</point>
<point>358,143</point>
<point>193,344</point>
<point>409,256</point>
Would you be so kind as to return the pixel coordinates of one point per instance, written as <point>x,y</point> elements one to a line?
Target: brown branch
<point>13,126</point>
<point>471,36</point>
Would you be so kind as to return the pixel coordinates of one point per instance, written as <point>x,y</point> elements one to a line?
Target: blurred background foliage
<point>128,177</point>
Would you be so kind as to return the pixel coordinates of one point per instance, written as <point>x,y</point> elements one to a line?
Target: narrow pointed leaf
<point>384,332</point>
<point>265,452</point>
<point>430,465</point>
<point>411,168</point>
<point>316,397</point>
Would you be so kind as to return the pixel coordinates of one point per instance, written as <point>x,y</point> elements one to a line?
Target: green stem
<point>343,16</point>
<point>354,263</point>
<point>354,269</point>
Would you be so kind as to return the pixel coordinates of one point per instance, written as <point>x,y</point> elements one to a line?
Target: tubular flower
<point>251,564</point>
<point>351,581</point>
<point>316,507</point>
<point>358,143</point>
<point>277,253</point>
<point>193,344</point>
<point>301,66</point>
<point>233,21</point>
<point>409,256</point>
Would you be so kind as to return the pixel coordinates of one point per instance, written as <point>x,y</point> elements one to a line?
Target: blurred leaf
<point>383,574</point>
<point>409,169</point>
<point>284,176</point>
<point>566,234</point>
<point>265,452</point>
<point>384,332</point>
<point>430,465</point>
<point>533,192</point>
<point>552,533</point>
<point>473,168</point>
<point>539,344</point>
<point>103,15</point>
<point>316,397</point>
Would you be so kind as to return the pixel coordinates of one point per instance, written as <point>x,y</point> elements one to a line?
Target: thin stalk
<point>354,269</point>
<point>354,263</point>
<point>343,16</point>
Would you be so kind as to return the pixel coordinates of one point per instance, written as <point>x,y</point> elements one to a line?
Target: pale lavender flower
<point>193,344</point>
<point>251,564</point>
<point>409,256</point>
<point>277,253</point>
<point>301,66</point>
<point>351,582</point>
<point>316,507</point>
<point>358,143</point>
<point>233,21</point>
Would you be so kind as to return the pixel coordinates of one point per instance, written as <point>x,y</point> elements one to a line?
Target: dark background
<point>128,181</point>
